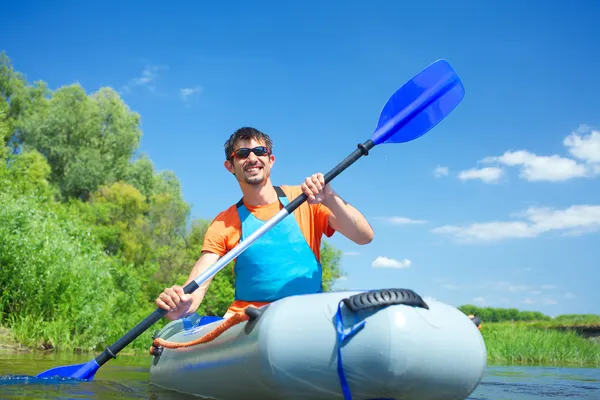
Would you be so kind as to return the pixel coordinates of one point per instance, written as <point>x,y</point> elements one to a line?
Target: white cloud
<point>487,174</point>
<point>148,75</point>
<point>541,168</point>
<point>544,301</point>
<point>403,220</point>
<point>450,286</point>
<point>584,147</point>
<point>504,292</point>
<point>575,220</point>
<point>385,262</point>
<point>491,287</point>
<point>487,232</point>
<point>440,171</point>
<point>583,144</point>
<point>185,93</point>
<point>479,301</point>
<point>511,287</point>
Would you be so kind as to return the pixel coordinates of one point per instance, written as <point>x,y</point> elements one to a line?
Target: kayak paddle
<point>415,108</point>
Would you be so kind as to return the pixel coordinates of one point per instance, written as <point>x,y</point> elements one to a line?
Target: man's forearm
<point>348,220</point>
<point>201,265</point>
<point>198,294</point>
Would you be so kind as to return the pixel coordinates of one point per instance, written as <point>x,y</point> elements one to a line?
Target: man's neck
<point>259,195</point>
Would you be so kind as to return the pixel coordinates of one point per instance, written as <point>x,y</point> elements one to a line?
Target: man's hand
<point>175,301</point>
<point>343,218</point>
<point>316,190</point>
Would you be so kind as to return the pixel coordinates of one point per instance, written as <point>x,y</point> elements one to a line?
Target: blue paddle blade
<point>77,371</point>
<point>420,104</point>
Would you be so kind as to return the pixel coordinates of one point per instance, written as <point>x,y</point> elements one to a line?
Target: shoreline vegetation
<point>533,343</point>
<point>91,233</point>
<point>566,340</point>
<point>524,337</point>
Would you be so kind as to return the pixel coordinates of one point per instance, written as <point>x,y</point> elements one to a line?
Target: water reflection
<point>536,383</point>
<point>127,378</point>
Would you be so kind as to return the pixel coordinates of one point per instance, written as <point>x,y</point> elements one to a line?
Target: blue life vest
<point>278,264</point>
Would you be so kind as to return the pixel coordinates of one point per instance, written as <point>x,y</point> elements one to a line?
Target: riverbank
<point>521,342</point>
<point>542,342</point>
<point>10,343</point>
<point>7,341</point>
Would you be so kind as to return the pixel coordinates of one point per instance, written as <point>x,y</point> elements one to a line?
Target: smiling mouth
<point>254,168</point>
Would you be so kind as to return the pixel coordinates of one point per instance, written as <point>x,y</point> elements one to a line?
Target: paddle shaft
<point>111,351</point>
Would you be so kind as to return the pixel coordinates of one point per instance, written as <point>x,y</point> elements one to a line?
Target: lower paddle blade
<point>420,104</point>
<point>78,371</point>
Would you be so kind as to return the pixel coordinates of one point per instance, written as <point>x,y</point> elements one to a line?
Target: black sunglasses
<point>245,152</point>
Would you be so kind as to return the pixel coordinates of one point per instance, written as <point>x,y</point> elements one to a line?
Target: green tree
<point>4,130</point>
<point>27,173</point>
<point>140,174</point>
<point>87,140</point>
<point>330,260</point>
<point>12,88</point>
<point>491,314</point>
<point>118,212</point>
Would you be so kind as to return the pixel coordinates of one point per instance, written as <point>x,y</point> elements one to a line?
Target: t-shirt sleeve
<point>215,239</point>
<point>322,219</point>
<point>320,213</point>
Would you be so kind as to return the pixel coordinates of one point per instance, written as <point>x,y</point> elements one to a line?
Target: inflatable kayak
<point>381,344</point>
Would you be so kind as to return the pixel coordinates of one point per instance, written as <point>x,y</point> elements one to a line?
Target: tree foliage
<point>330,259</point>
<point>491,314</point>
<point>87,140</point>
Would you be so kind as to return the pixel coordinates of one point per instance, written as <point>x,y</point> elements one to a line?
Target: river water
<point>127,378</point>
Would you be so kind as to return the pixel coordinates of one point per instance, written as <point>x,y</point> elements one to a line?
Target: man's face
<point>253,169</point>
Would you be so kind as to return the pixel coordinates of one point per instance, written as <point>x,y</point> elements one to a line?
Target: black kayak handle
<point>384,297</point>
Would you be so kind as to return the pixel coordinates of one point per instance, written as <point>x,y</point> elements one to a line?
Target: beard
<point>255,178</point>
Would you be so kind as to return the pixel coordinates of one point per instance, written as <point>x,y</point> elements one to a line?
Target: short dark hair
<point>246,133</point>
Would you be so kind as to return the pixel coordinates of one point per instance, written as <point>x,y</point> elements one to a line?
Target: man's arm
<point>343,218</point>
<point>180,304</point>
<point>347,220</point>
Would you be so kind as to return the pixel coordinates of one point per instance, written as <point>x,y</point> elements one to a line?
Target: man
<point>286,259</point>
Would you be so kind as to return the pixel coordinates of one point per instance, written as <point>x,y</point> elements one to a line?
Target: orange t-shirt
<point>224,232</point>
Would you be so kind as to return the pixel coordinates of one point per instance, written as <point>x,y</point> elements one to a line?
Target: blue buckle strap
<point>342,339</point>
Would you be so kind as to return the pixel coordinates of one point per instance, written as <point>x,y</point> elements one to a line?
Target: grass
<point>540,342</point>
<point>30,337</point>
<point>578,321</point>
<point>8,342</point>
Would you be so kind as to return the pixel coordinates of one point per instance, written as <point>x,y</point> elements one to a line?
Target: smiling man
<point>285,261</point>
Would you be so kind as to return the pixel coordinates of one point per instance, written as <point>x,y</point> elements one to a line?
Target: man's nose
<point>252,156</point>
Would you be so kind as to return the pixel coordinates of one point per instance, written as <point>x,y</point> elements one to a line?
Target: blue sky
<point>499,205</point>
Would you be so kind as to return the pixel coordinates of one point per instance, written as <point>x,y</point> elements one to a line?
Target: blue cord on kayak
<point>342,338</point>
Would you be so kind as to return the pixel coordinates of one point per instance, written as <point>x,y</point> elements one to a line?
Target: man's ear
<point>229,166</point>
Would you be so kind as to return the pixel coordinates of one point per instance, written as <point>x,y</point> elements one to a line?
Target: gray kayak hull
<point>291,352</point>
